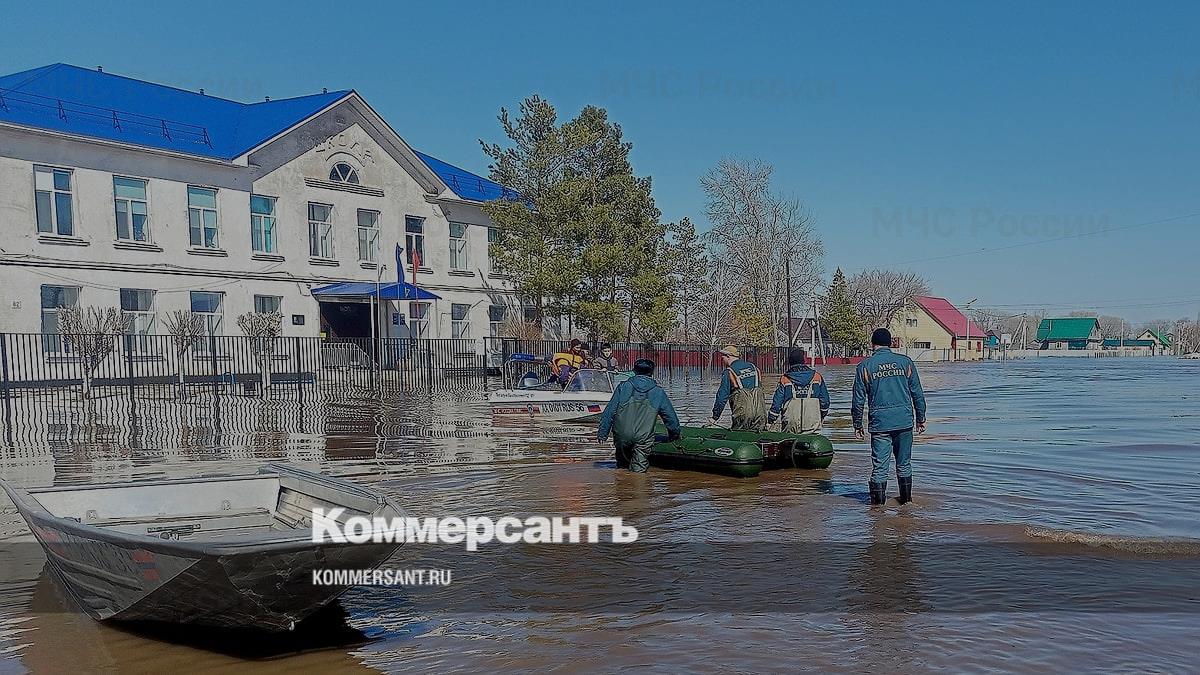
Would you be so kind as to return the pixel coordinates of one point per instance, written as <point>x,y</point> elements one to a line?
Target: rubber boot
<point>905,489</point>
<point>878,493</point>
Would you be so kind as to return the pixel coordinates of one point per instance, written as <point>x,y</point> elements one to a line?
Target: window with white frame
<point>202,217</point>
<point>343,173</point>
<point>138,303</point>
<point>267,304</point>
<point>414,241</point>
<point>418,324</point>
<point>493,239</point>
<point>211,308</point>
<point>460,321</point>
<point>496,314</point>
<point>54,300</point>
<point>320,230</point>
<point>458,247</point>
<point>911,322</point>
<point>262,224</point>
<point>368,235</point>
<point>53,201</point>
<point>132,209</point>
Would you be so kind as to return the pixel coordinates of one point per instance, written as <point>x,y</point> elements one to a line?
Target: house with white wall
<point>116,192</point>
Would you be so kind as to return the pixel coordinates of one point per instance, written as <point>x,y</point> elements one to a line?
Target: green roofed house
<point>1162,343</point>
<point>1070,333</point>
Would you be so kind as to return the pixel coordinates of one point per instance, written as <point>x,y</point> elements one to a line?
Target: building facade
<point>932,329</point>
<point>121,193</point>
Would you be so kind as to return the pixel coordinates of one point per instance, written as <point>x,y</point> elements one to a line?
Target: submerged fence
<point>159,366</point>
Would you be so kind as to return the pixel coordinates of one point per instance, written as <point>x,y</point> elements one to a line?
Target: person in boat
<point>606,360</point>
<point>565,363</point>
<point>630,416</point>
<point>801,401</point>
<point>888,384</point>
<point>740,390</point>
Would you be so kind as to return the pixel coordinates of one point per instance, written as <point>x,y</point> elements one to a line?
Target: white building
<point>121,193</point>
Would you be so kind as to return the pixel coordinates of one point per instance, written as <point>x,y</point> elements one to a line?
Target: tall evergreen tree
<point>584,239</point>
<point>531,240</point>
<point>839,317</point>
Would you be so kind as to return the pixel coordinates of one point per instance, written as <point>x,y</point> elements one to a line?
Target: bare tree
<point>1162,326</point>
<point>712,315</point>
<point>91,334</point>
<point>1110,326</point>
<point>761,236</point>
<point>262,328</point>
<point>1185,337</point>
<point>515,326</point>
<point>185,328</point>
<point>879,295</point>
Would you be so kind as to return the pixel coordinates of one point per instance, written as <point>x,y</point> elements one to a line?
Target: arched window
<point>343,173</point>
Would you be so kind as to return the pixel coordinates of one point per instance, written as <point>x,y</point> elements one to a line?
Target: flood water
<point>1056,528</point>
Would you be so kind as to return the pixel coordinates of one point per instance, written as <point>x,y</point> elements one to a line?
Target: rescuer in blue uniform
<point>631,414</point>
<point>889,386</point>
<point>797,383</point>
<point>740,390</point>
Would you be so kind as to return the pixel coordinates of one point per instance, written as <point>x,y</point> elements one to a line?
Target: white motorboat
<point>584,396</point>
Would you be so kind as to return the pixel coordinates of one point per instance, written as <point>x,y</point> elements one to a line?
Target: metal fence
<point>157,366</point>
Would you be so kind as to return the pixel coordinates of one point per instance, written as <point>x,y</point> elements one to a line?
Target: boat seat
<point>190,525</point>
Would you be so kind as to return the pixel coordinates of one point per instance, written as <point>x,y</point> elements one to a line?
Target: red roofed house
<point>932,329</point>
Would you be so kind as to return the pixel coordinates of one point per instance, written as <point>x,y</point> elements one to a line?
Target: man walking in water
<point>739,388</point>
<point>630,415</point>
<point>889,386</point>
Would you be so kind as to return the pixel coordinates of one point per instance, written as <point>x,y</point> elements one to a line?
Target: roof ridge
<point>153,84</point>
<point>341,93</point>
<point>35,73</point>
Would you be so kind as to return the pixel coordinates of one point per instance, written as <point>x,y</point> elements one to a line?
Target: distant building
<point>1129,345</point>
<point>1075,333</point>
<point>1162,343</point>
<point>933,329</point>
<point>808,334</point>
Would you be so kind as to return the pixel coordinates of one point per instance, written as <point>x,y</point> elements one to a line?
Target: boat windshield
<point>591,380</point>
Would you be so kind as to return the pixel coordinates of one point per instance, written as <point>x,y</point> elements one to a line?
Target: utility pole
<point>787,271</point>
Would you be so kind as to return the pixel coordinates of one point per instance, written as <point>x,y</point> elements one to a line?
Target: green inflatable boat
<point>741,453</point>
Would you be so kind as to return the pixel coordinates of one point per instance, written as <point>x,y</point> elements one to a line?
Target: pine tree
<point>584,238</point>
<point>839,317</point>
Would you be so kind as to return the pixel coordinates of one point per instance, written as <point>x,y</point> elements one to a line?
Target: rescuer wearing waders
<point>889,386</point>
<point>631,413</point>
<point>802,399</point>
<point>739,388</point>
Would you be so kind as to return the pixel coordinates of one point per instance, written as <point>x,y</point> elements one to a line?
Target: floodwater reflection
<point>1054,529</point>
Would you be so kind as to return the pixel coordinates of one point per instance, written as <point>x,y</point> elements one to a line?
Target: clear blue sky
<point>982,126</point>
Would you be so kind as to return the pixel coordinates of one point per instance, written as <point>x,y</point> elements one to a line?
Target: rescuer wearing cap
<point>740,389</point>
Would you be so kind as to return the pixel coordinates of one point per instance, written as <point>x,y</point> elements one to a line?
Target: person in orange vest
<point>567,362</point>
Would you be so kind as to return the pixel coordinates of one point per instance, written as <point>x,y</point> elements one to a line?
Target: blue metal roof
<point>393,291</point>
<point>466,184</point>
<point>85,102</point>
<point>90,103</point>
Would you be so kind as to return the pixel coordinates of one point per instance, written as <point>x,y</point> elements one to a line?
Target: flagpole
<point>376,329</point>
